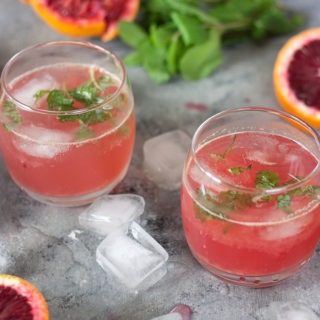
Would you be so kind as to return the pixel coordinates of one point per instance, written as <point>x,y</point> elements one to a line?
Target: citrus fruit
<point>20,300</point>
<point>296,76</point>
<point>86,18</point>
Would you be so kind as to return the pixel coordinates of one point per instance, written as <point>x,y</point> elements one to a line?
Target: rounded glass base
<point>253,281</point>
<point>75,201</point>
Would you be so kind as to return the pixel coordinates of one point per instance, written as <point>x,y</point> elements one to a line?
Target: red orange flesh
<point>296,76</point>
<point>20,300</point>
<point>86,18</point>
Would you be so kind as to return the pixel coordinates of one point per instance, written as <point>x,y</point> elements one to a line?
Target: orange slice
<point>296,76</point>
<point>20,300</point>
<point>86,18</point>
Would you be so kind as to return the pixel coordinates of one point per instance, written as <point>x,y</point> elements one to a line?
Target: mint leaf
<point>191,29</point>
<point>89,117</point>
<point>160,36</point>
<point>88,93</point>
<point>133,59</point>
<point>237,170</point>
<point>58,100</point>
<point>267,179</point>
<point>174,52</point>
<point>85,95</point>
<point>13,115</point>
<point>192,9</point>
<point>155,62</point>
<point>227,11</point>
<point>39,94</point>
<point>284,201</point>
<point>274,21</point>
<point>202,59</point>
<point>84,132</point>
<point>249,7</point>
<point>131,34</point>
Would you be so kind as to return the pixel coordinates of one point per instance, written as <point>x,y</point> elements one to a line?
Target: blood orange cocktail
<point>68,125</point>
<point>250,196</point>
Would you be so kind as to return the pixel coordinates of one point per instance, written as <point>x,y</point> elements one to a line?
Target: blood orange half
<point>86,18</point>
<point>20,300</point>
<point>296,76</point>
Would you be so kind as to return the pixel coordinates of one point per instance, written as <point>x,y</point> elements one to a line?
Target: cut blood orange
<point>86,18</point>
<point>20,300</point>
<point>296,76</point>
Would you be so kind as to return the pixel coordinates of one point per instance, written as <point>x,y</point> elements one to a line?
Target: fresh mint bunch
<point>185,37</point>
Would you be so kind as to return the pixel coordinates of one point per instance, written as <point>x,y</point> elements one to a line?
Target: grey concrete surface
<point>46,245</point>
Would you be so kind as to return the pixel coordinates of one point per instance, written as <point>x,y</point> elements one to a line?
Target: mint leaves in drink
<point>12,114</point>
<point>226,151</point>
<point>229,201</point>
<point>186,37</point>
<point>87,94</point>
<point>212,205</point>
<point>266,179</point>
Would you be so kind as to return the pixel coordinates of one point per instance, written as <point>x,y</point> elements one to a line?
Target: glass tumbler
<point>250,195</point>
<point>68,122</point>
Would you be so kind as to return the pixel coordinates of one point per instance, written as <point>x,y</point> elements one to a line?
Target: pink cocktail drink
<point>250,198</point>
<point>68,127</point>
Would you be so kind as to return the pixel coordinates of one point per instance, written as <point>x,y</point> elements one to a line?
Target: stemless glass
<point>250,195</point>
<point>68,122</point>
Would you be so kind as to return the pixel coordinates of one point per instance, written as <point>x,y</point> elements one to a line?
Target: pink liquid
<point>43,154</point>
<point>257,240</point>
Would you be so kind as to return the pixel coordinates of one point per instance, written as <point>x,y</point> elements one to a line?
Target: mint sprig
<point>226,151</point>
<point>87,94</point>
<point>186,37</point>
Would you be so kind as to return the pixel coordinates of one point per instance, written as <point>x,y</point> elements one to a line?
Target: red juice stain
<point>196,106</point>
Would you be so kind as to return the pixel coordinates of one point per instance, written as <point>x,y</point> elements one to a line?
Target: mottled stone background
<point>46,245</point>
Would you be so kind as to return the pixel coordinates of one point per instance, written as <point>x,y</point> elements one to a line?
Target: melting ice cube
<point>169,316</point>
<point>180,312</point>
<point>25,93</point>
<point>164,157</point>
<point>135,258</point>
<point>42,142</point>
<point>288,228</point>
<point>294,310</point>
<point>110,212</point>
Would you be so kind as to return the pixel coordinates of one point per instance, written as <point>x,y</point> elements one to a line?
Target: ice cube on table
<point>179,312</point>
<point>293,310</point>
<point>169,316</point>
<point>164,158</point>
<point>110,212</point>
<point>135,258</point>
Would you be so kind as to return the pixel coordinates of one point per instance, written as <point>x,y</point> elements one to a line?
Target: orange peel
<point>296,78</point>
<point>86,18</point>
<point>19,299</point>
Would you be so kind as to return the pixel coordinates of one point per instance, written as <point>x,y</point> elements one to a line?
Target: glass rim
<point>63,43</point>
<point>253,190</point>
